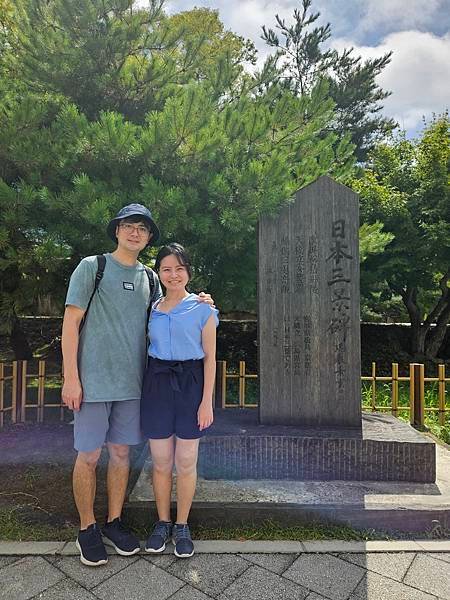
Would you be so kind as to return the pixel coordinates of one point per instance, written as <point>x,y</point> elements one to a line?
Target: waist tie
<point>173,368</point>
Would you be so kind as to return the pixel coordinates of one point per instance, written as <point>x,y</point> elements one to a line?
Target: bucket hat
<point>133,210</point>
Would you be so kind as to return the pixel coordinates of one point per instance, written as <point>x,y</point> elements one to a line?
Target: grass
<point>15,526</point>
<point>270,530</point>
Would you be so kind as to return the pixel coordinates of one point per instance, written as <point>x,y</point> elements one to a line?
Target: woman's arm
<point>205,411</point>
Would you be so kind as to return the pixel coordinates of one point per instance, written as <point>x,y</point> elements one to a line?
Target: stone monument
<point>308,310</point>
<point>310,426</point>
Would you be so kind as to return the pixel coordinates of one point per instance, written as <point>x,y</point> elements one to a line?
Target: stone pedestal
<point>384,449</point>
<point>308,310</point>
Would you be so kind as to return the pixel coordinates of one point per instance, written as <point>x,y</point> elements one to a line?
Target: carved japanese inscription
<point>308,309</point>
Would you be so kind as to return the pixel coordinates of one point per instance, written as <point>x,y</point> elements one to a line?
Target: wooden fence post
<point>417,395</point>
<point>395,389</point>
<point>441,371</point>
<point>2,393</point>
<point>241,384</point>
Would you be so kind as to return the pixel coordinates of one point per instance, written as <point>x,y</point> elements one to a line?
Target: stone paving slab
<point>141,581</point>
<point>220,576</point>
<point>160,560</point>
<point>91,577</point>
<point>325,574</point>
<point>27,577</point>
<point>66,590</point>
<point>210,574</point>
<point>7,560</point>
<point>377,587</point>
<point>277,563</point>
<point>258,584</point>
<point>441,556</point>
<point>189,593</point>
<point>430,575</point>
<point>394,566</point>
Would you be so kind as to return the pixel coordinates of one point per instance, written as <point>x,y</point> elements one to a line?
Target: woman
<point>176,406</point>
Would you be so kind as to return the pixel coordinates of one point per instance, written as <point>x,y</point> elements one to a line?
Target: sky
<point>417,31</point>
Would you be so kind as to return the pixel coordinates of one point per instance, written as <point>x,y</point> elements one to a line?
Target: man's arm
<point>72,393</point>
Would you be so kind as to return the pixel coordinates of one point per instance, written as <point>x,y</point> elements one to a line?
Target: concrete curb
<point>244,547</point>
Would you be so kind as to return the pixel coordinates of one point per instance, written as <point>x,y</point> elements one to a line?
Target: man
<point>104,359</point>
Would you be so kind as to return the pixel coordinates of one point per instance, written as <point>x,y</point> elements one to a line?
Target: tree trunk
<point>19,342</point>
<point>419,330</point>
<point>438,333</point>
<point>418,337</point>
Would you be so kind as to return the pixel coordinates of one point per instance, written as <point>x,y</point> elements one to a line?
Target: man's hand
<point>72,394</point>
<point>206,298</point>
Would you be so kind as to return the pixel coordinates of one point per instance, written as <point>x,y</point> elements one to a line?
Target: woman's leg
<point>186,453</point>
<point>163,452</point>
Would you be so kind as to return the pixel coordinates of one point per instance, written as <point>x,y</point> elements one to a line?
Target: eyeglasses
<point>130,228</point>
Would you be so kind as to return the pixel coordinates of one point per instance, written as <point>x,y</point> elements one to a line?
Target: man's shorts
<point>99,422</point>
<point>171,395</point>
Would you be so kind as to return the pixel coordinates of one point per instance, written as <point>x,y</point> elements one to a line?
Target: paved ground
<point>234,571</point>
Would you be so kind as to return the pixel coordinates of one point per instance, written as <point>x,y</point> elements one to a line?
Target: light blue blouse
<point>177,335</point>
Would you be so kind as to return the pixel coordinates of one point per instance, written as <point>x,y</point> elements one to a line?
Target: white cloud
<point>359,18</point>
<point>245,17</point>
<point>400,14</point>
<point>418,75</point>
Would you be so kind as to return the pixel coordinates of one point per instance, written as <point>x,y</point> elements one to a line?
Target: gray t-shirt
<point>112,348</point>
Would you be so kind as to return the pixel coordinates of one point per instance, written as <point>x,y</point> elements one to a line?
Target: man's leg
<point>84,485</point>
<point>124,429</point>
<point>163,453</point>
<point>186,453</point>
<point>117,478</point>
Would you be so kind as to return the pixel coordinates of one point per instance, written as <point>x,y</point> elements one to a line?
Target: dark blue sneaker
<point>124,542</point>
<point>89,543</point>
<point>157,540</point>
<point>181,537</point>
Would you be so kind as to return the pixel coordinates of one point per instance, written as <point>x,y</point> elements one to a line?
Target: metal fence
<point>30,396</point>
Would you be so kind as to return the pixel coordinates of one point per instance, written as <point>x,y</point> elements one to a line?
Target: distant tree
<point>406,187</point>
<point>203,41</point>
<point>303,59</point>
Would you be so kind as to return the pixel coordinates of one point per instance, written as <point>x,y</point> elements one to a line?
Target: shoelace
<point>161,529</point>
<point>94,537</point>
<point>182,532</point>
<point>122,530</point>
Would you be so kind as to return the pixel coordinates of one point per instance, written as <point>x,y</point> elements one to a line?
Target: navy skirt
<point>171,395</point>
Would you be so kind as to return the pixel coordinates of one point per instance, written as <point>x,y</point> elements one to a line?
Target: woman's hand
<point>205,414</point>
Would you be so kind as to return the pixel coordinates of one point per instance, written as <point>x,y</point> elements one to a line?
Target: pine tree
<point>208,149</point>
<point>303,58</point>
